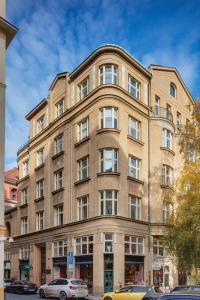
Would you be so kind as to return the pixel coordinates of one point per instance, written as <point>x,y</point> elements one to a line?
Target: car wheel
<point>107,298</point>
<point>63,296</point>
<point>42,294</point>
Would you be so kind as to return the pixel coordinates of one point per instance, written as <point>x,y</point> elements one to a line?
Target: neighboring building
<point>7,32</point>
<point>10,188</point>
<point>102,152</point>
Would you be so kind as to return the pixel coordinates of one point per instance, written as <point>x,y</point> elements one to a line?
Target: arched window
<point>13,194</point>
<point>172,90</point>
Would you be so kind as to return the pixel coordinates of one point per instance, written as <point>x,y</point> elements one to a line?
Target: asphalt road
<point>33,297</point>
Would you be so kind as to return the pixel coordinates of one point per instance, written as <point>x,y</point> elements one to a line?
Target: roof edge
<point>40,105</point>
<point>110,47</point>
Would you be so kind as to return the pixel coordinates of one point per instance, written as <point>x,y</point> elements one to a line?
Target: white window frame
<point>167,175</point>
<point>40,189</point>
<point>59,179</point>
<point>86,241</point>
<point>135,203</point>
<point>40,123</point>
<point>108,242</point>
<point>191,155</point>
<point>26,170</point>
<point>178,119</point>
<point>157,106</point>
<point>134,87</point>
<point>167,139</point>
<point>137,241</point>
<point>7,255</point>
<point>103,117</point>
<point>24,253</point>
<point>59,144</point>
<point>40,220</point>
<point>59,106</point>
<point>24,196</point>
<point>58,215</point>
<point>24,225</point>
<point>104,201</point>
<point>82,204</point>
<point>134,167</point>
<point>104,159</point>
<point>104,74</point>
<point>84,88</point>
<point>172,86</point>
<point>81,168</point>
<point>83,129</point>
<point>60,248</point>
<point>158,248</point>
<point>167,211</point>
<point>40,157</point>
<point>134,128</point>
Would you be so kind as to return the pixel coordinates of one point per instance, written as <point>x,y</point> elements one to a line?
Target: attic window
<point>172,90</point>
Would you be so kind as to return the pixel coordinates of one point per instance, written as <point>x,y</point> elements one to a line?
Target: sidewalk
<point>93,297</point>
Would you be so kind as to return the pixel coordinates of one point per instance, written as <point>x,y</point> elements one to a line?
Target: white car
<point>64,289</point>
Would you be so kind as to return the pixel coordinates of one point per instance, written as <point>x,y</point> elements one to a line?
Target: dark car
<point>186,289</point>
<point>21,287</point>
<point>8,282</point>
<point>180,297</point>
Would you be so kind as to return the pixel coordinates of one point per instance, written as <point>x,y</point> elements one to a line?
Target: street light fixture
<point>6,238</point>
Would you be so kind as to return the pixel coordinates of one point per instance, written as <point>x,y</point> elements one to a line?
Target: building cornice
<point>9,29</point>
<point>38,107</point>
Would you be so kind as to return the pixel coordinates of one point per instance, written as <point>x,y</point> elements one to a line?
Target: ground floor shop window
<point>161,277</point>
<point>134,269</point>
<point>24,268</point>
<point>182,278</point>
<point>59,267</point>
<point>108,272</point>
<point>84,269</point>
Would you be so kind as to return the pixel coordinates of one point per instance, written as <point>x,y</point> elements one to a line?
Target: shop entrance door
<point>108,281</point>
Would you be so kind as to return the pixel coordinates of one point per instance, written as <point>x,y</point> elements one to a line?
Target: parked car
<point>133,292</point>
<point>8,282</point>
<point>180,297</point>
<point>21,287</point>
<point>63,289</point>
<point>186,289</point>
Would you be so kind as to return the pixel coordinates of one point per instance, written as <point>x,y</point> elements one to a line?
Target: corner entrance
<point>108,272</point>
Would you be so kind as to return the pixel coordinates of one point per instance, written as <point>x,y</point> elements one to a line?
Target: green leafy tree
<point>183,231</point>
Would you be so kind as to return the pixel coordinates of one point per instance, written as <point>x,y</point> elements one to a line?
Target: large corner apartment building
<point>102,152</point>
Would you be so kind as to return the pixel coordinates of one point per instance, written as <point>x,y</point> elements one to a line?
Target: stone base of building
<point>1,293</point>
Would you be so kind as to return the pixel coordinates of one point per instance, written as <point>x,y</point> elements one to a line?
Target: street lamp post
<point>7,32</point>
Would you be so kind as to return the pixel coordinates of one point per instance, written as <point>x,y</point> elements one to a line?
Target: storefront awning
<point>132,259</point>
<point>84,260</point>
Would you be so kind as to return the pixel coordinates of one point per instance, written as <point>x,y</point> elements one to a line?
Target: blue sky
<point>56,35</point>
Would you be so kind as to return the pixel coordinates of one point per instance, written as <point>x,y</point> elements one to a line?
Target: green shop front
<point>24,269</point>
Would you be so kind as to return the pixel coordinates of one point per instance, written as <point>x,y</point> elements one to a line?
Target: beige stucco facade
<point>133,219</point>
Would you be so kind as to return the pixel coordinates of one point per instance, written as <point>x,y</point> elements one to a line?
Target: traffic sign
<point>70,256</point>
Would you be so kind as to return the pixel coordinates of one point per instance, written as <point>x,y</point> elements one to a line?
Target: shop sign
<point>70,256</point>
<point>156,266</point>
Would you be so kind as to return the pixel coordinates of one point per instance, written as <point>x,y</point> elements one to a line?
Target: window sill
<point>108,173</point>
<point>82,141</point>
<point>135,140</point>
<point>135,179</point>
<point>104,130</point>
<point>168,150</point>
<point>57,155</point>
<point>39,167</point>
<point>81,181</point>
<point>23,178</point>
<point>23,205</point>
<point>57,191</point>
<point>39,199</point>
<point>167,186</point>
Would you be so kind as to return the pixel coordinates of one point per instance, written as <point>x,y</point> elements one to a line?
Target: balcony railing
<point>162,112</point>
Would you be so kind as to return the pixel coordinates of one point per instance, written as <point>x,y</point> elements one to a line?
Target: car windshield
<point>140,289</point>
<point>78,282</point>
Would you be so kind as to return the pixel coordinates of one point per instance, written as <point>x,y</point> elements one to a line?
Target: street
<point>33,297</point>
